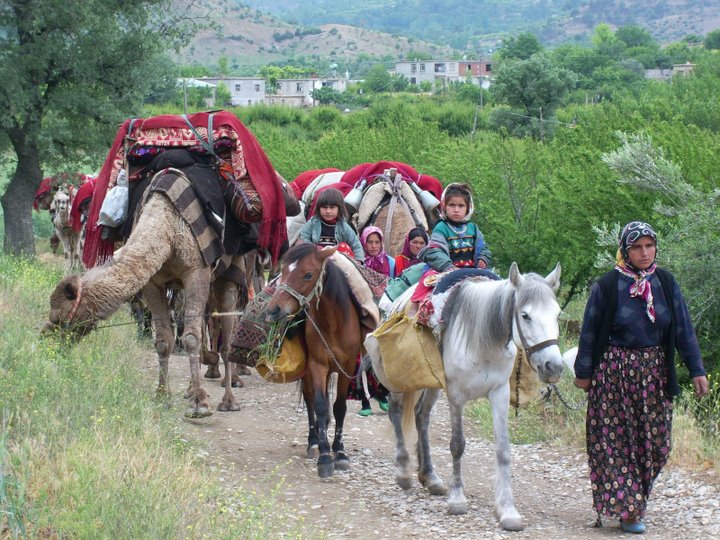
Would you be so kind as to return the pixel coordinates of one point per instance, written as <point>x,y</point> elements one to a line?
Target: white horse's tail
<point>409,400</point>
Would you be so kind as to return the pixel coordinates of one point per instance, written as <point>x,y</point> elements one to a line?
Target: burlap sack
<point>411,357</point>
<point>289,365</point>
<point>524,382</point>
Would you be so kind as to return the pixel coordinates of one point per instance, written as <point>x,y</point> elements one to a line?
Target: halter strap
<point>75,304</point>
<point>303,300</point>
<point>528,348</point>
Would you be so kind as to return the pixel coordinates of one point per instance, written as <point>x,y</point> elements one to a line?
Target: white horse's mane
<point>479,312</point>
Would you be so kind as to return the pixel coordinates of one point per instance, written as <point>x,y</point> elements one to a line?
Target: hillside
<point>249,39</point>
<point>477,24</point>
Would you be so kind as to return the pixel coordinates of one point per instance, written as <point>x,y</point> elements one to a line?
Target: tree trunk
<point>18,199</point>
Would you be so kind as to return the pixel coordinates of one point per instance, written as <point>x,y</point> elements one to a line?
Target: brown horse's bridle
<point>303,300</point>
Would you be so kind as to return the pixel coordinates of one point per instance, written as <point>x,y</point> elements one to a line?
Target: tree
<point>712,40</point>
<point>378,80</point>
<point>326,95</point>
<point>223,97</point>
<point>69,72</point>
<point>635,36</point>
<point>521,47</point>
<point>534,84</point>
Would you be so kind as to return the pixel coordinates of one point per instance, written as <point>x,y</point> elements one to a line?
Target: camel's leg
<point>156,301</point>
<point>505,509</point>
<point>227,302</point>
<point>398,404</point>
<point>309,399</point>
<point>197,287</point>
<point>457,503</point>
<point>342,461</point>
<point>426,473</point>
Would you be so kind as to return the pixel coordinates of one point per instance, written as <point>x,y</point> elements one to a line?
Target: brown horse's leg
<point>319,375</point>
<point>309,398</point>
<point>342,461</point>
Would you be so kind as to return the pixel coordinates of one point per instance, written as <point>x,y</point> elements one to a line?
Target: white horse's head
<point>535,321</point>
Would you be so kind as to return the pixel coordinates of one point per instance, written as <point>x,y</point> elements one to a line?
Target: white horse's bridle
<point>530,349</point>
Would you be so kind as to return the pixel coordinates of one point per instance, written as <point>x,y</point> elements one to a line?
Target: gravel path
<point>263,446</point>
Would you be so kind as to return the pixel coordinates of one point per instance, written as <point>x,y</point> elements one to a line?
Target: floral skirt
<point>629,418</point>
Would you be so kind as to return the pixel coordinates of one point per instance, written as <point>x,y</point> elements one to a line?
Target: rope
<point>576,407</point>
<point>327,347</point>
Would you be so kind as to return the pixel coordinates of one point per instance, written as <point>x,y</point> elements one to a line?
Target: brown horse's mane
<point>336,286</point>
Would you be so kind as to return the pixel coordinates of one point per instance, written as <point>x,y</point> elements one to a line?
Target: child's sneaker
<point>383,403</point>
<point>365,412</point>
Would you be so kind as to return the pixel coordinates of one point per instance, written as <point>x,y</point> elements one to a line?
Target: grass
<point>695,442</point>
<point>86,451</point>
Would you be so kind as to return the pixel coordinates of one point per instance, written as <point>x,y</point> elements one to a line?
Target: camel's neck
<point>107,287</point>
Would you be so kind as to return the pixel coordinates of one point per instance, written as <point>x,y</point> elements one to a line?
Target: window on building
<point>237,87</point>
<point>413,80</point>
<point>488,67</point>
<point>249,101</point>
<point>440,68</point>
<point>422,68</point>
<point>451,66</point>
<point>413,68</point>
<point>299,87</point>
<point>257,87</point>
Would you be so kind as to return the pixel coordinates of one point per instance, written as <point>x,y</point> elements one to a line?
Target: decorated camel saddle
<point>211,168</point>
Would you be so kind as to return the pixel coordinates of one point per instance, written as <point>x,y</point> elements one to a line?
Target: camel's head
<point>67,313</point>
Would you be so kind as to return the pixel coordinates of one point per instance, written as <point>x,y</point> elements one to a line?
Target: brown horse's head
<point>301,281</point>
<point>68,315</point>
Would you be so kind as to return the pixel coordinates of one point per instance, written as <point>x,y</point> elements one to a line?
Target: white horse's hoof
<point>405,482</point>
<point>512,521</point>
<point>457,507</point>
<point>434,485</point>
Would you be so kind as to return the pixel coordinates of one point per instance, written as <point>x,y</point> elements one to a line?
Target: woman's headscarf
<point>641,286</point>
<point>412,235</point>
<point>379,262</point>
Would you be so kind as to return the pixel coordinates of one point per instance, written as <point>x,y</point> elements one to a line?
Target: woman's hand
<point>701,385</point>
<point>583,384</point>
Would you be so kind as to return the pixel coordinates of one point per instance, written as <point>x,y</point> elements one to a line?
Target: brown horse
<point>311,283</point>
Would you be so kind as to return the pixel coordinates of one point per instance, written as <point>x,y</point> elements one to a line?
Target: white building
<point>243,90</point>
<point>298,92</point>
<point>438,72</point>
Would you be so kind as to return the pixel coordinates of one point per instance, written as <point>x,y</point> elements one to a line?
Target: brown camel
<point>161,253</point>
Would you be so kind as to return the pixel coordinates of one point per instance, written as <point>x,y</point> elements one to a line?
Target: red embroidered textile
<point>45,186</point>
<point>172,130</point>
<point>304,179</point>
<point>370,171</point>
<point>84,193</point>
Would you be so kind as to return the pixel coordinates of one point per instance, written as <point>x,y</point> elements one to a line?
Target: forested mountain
<point>479,23</point>
<point>244,39</point>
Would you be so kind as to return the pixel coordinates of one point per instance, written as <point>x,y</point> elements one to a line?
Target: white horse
<point>486,322</point>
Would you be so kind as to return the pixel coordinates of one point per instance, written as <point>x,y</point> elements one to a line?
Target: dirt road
<point>264,446</point>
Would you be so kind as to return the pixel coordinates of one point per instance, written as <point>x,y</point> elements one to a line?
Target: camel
<point>161,253</point>
<point>69,237</point>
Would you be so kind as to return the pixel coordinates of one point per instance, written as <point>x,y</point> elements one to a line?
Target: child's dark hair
<point>332,197</point>
<point>459,190</point>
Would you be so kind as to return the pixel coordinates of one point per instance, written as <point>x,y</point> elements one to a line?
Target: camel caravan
<point>200,194</point>
<point>192,204</point>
